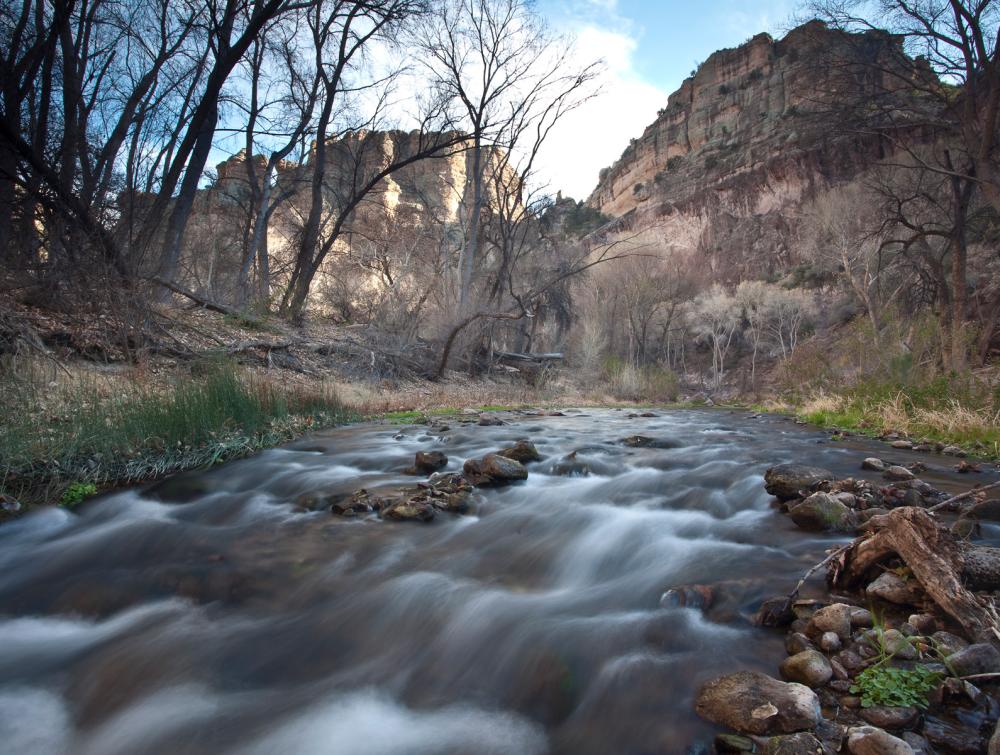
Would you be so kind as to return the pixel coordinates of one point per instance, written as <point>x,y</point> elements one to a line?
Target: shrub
<point>76,493</point>
<point>891,686</point>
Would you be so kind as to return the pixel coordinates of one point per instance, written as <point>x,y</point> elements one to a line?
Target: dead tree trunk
<point>944,566</point>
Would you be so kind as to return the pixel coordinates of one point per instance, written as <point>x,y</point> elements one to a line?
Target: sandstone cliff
<point>740,146</point>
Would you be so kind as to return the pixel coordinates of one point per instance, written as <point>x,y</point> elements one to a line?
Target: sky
<point>649,47</point>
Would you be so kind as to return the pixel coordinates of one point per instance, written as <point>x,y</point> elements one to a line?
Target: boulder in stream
<point>822,512</point>
<point>788,481</point>
<point>493,470</point>
<point>427,462</point>
<point>522,451</point>
<point>754,703</point>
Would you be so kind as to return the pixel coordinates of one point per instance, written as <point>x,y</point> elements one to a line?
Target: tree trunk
<point>471,249</point>
<point>941,564</point>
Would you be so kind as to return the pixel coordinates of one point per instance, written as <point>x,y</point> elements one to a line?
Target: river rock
<point>427,462</point>
<point>796,642</point>
<point>869,740</point>
<point>850,660</point>
<point>447,492</point>
<point>953,739</point>
<point>728,743</point>
<point>898,645</point>
<point>873,464</point>
<point>753,703</point>
<point>834,618</point>
<point>948,643</point>
<point>890,717</point>
<point>522,451</point>
<point>953,451</point>
<point>924,623</point>
<point>861,617</point>
<point>802,743</point>
<point>902,444</point>
<point>980,658</point>
<point>919,744</point>
<point>896,472</point>
<point>360,502</point>
<point>892,588</point>
<point>408,510</point>
<point>774,612</point>
<point>787,481</point>
<point>689,596</point>
<point>489,420</point>
<point>810,667</point>
<point>493,470</point>
<point>822,512</point>
<point>830,642</point>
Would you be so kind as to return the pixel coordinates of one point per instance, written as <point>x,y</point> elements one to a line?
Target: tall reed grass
<point>59,428</point>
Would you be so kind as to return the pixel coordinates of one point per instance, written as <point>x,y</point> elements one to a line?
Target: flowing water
<point>208,615</point>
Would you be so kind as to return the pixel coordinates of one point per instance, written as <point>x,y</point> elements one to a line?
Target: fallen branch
<point>201,301</point>
<point>962,496</point>
<point>939,561</point>
<point>812,570</point>
<point>241,346</point>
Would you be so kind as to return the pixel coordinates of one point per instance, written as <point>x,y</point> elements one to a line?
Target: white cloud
<point>594,136</point>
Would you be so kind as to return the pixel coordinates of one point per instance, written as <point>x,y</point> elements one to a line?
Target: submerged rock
<point>493,470</point>
<point>689,596</point>
<point>754,703</point>
<point>788,481</point>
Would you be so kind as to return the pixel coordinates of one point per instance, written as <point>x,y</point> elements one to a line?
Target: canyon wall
<point>739,149</point>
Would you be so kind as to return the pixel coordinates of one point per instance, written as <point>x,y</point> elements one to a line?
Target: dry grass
<point>974,425</point>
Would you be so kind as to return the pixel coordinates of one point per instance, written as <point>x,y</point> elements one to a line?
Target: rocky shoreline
<point>894,664</point>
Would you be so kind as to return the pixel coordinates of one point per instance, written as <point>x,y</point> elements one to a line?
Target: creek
<point>209,614</point>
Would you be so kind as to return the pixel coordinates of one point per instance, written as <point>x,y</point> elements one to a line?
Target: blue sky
<point>650,47</point>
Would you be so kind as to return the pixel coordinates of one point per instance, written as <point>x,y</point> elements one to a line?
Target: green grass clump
<point>951,409</point>
<point>95,431</point>
<point>76,493</point>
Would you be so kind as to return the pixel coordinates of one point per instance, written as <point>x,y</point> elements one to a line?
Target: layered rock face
<point>741,145</point>
<point>429,197</point>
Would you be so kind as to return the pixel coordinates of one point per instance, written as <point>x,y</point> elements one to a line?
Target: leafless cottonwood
<point>936,81</point>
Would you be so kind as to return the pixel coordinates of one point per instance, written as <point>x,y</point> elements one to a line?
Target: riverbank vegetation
<point>64,433</point>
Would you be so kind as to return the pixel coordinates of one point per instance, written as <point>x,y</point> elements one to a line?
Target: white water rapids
<point>207,614</point>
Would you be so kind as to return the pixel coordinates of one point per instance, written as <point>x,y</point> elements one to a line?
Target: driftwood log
<point>947,568</point>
